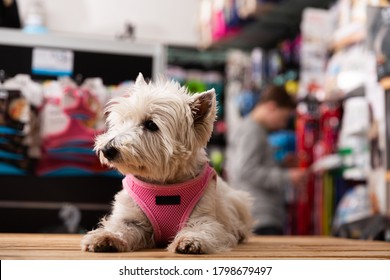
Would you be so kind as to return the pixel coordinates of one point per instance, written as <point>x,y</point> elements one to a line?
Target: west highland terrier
<point>157,136</point>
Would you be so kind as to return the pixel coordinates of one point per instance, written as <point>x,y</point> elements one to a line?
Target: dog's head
<point>156,128</point>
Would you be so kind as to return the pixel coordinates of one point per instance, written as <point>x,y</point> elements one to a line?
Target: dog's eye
<point>150,125</point>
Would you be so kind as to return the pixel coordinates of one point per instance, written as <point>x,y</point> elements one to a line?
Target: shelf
<point>32,204</point>
<point>16,37</point>
<point>273,23</point>
<point>94,56</point>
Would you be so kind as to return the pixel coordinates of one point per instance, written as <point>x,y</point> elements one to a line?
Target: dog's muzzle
<point>110,152</point>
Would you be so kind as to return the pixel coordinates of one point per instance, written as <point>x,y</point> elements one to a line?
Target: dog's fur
<point>175,153</point>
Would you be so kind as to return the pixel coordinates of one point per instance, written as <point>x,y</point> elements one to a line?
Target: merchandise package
<point>314,48</point>
<point>71,118</point>
<point>20,99</point>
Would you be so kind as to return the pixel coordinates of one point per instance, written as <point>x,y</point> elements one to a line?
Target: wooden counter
<point>59,246</point>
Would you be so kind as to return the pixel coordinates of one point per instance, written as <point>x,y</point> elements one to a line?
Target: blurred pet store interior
<point>62,60</point>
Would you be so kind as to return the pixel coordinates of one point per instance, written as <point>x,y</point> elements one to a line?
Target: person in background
<point>251,165</point>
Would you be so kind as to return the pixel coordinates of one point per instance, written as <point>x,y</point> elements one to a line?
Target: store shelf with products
<point>354,165</point>
<point>34,204</point>
<point>247,26</point>
<point>115,61</point>
<point>338,71</point>
<point>64,178</point>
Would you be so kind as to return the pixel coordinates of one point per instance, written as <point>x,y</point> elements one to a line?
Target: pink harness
<point>168,207</point>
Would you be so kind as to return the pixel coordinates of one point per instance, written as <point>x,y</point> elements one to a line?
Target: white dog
<point>157,136</point>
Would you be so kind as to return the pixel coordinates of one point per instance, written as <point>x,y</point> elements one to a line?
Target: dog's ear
<point>140,81</point>
<point>203,108</point>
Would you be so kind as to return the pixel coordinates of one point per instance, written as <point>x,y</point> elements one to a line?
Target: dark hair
<point>279,95</point>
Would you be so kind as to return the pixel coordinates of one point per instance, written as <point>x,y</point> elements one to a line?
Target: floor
<point>60,246</point>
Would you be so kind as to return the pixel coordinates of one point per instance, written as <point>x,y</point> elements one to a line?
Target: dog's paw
<point>189,246</point>
<point>103,241</point>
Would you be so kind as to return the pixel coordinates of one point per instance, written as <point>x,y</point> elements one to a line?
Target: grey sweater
<point>251,167</point>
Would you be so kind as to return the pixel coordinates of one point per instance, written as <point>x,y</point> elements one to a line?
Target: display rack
<point>270,24</point>
<point>31,203</point>
<point>114,61</point>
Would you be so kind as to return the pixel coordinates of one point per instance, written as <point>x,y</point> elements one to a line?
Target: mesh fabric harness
<point>168,207</point>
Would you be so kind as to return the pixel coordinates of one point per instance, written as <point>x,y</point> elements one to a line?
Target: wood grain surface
<point>66,247</point>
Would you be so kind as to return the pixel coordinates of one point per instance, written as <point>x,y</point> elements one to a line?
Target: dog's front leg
<point>203,235</point>
<point>203,232</point>
<point>102,240</point>
<point>117,236</point>
<point>126,229</point>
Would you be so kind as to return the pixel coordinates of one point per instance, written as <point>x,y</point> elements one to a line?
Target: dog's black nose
<point>110,152</point>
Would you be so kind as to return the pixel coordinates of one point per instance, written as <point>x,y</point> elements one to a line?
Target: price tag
<point>52,62</point>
